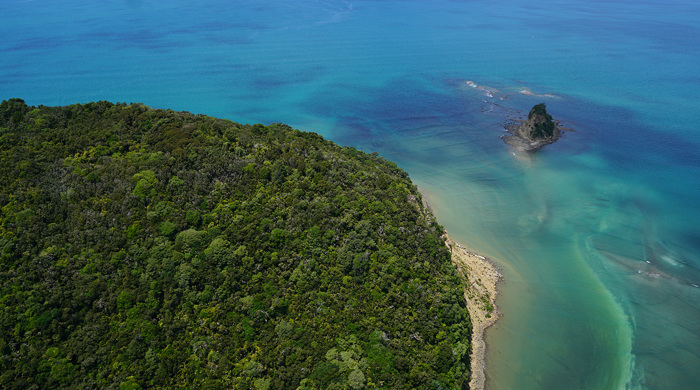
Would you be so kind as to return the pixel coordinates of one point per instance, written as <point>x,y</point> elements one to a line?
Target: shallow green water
<point>560,322</point>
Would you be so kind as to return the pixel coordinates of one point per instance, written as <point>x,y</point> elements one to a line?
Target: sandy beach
<point>481,277</point>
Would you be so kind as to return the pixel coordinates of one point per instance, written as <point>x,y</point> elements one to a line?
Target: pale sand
<point>481,277</point>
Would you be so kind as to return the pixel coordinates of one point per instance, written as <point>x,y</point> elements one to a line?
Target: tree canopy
<point>544,127</point>
<point>144,248</point>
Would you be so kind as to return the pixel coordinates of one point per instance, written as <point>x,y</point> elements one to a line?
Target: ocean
<point>597,235</point>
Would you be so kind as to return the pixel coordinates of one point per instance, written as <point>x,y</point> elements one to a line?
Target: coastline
<point>481,278</point>
<point>480,282</point>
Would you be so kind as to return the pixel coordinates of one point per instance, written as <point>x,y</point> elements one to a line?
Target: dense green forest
<point>544,127</point>
<point>144,248</point>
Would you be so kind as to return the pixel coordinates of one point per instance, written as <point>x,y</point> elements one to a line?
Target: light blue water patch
<point>597,234</point>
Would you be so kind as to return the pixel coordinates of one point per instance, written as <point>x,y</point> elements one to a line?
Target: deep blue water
<point>598,234</point>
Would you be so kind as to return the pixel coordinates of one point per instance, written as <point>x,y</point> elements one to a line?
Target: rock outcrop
<point>535,132</point>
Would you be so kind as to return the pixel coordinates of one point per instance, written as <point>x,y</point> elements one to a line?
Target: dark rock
<point>535,132</point>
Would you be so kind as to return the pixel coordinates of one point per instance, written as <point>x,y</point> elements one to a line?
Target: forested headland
<point>145,248</point>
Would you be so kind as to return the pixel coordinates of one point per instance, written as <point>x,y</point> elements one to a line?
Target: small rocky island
<point>535,132</point>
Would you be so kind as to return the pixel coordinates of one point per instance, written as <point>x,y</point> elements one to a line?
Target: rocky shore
<point>537,131</point>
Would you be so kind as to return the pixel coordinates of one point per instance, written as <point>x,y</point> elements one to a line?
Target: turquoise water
<point>598,234</point>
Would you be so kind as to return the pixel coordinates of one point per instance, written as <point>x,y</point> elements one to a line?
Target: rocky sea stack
<point>535,132</point>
